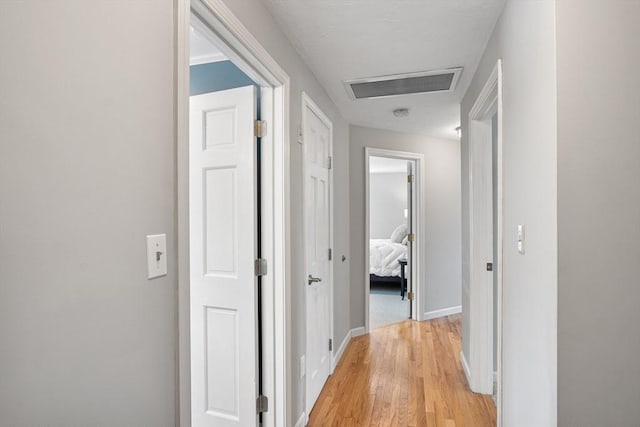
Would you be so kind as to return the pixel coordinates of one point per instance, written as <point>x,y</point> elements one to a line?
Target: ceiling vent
<point>404,84</point>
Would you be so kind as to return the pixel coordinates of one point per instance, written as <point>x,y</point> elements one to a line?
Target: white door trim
<point>308,103</point>
<point>488,103</point>
<point>418,270</point>
<point>248,54</point>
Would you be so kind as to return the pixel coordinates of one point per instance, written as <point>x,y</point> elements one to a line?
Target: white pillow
<point>399,233</point>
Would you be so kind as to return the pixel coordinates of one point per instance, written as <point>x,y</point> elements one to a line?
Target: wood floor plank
<point>405,374</point>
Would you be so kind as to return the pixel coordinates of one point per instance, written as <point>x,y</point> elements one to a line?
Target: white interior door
<point>317,139</point>
<point>222,191</point>
<point>481,261</point>
<point>409,270</point>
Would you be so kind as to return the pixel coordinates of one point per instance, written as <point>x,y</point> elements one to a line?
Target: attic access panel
<point>404,84</point>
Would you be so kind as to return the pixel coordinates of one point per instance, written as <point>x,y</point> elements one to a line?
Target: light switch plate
<point>521,239</point>
<point>156,256</point>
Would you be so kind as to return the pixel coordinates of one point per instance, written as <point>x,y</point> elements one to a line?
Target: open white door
<point>410,239</point>
<point>223,212</point>
<point>317,149</point>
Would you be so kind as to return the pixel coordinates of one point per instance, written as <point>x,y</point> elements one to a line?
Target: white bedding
<point>383,257</point>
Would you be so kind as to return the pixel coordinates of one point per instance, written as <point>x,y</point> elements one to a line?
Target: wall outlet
<point>303,366</point>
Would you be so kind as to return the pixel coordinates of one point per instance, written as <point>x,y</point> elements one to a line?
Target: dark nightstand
<point>403,278</point>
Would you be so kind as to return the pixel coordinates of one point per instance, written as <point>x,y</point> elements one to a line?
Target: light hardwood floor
<point>405,374</point>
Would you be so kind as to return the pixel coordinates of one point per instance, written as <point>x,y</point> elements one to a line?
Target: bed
<point>384,256</point>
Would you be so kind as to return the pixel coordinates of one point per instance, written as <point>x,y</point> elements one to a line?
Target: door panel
<point>317,139</point>
<point>481,245</point>
<point>410,243</point>
<point>222,191</point>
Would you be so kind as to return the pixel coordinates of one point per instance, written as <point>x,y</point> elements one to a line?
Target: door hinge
<point>330,254</point>
<point>262,404</point>
<point>330,344</point>
<point>410,296</point>
<point>329,162</point>
<point>260,128</point>
<point>489,266</point>
<point>261,267</point>
<point>410,237</point>
<point>409,178</point>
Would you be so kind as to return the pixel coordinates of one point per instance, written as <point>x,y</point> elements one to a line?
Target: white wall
<point>524,38</point>
<point>87,167</point>
<point>387,202</point>
<point>598,212</point>
<point>442,197</point>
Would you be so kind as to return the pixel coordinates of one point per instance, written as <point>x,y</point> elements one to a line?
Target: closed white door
<point>222,191</point>
<point>481,260</point>
<point>317,139</point>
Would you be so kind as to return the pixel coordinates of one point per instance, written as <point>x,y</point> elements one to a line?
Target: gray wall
<point>87,169</point>
<point>598,212</point>
<point>442,199</point>
<point>524,37</point>
<point>387,202</point>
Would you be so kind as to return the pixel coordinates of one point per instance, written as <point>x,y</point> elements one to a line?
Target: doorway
<point>390,237</point>
<point>483,365</point>
<point>393,237</point>
<point>233,198</point>
<point>224,199</point>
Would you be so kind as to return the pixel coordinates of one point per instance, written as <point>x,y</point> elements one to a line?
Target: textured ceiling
<point>346,39</point>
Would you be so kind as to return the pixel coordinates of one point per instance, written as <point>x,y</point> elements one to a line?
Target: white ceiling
<point>201,50</point>
<point>350,39</point>
<point>387,165</point>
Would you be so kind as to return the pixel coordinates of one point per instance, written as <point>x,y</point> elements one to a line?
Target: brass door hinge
<point>410,296</point>
<point>410,237</point>
<point>409,178</point>
<point>260,128</point>
<point>262,404</point>
<point>261,267</point>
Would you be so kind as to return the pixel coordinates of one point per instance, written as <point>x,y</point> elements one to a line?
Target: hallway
<point>405,374</point>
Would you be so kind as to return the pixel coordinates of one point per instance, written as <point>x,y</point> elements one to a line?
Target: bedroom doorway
<point>392,228</point>
<point>233,244</point>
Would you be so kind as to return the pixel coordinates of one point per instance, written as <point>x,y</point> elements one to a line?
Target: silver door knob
<point>312,279</point>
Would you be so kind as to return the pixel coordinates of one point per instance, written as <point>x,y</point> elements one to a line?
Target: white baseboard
<point>302,421</point>
<point>356,332</point>
<point>465,368</point>
<point>444,312</point>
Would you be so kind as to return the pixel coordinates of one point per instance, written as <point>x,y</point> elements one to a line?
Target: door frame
<point>480,362</point>
<point>308,104</point>
<point>237,42</point>
<point>418,271</point>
